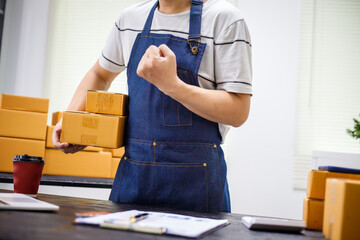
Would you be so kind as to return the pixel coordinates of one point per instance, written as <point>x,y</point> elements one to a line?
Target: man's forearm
<point>95,79</point>
<point>214,105</point>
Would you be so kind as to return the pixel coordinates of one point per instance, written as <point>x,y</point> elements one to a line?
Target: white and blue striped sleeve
<point>232,58</point>
<point>112,57</point>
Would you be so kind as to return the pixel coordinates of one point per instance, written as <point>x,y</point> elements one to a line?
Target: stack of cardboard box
<point>90,162</point>
<point>102,125</point>
<point>313,211</point>
<point>22,128</point>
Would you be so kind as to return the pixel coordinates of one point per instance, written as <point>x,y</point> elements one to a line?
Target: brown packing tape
<point>88,140</point>
<point>22,103</point>
<point>90,121</point>
<point>22,124</point>
<point>9,147</point>
<point>104,102</point>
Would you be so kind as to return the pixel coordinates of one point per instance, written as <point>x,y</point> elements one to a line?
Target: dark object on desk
<point>339,169</point>
<point>35,225</point>
<point>27,174</point>
<point>66,181</point>
<point>273,224</point>
<point>138,217</point>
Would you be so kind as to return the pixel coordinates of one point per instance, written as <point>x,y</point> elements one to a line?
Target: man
<point>189,77</point>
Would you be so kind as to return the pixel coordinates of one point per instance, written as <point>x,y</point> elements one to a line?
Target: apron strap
<point>194,26</point>
<point>195,20</point>
<point>147,26</point>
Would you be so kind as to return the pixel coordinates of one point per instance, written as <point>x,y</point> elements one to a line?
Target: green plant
<point>356,132</point>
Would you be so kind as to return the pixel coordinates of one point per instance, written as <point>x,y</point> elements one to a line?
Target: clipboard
<point>339,169</point>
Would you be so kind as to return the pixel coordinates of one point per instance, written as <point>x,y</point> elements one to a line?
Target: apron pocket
<point>136,182</point>
<point>175,185</point>
<point>182,185</point>
<point>174,113</point>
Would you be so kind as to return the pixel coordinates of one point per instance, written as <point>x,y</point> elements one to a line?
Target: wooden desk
<point>46,225</point>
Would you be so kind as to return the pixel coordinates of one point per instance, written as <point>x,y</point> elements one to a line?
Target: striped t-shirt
<point>226,63</point>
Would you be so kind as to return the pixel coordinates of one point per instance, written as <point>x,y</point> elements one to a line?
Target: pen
<point>138,217</point>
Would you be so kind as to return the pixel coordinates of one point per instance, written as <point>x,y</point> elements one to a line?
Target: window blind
<point>328,89</point>
<point>77,33</point>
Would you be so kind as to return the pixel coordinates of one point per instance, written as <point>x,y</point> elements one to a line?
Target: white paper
<point>175,224</point>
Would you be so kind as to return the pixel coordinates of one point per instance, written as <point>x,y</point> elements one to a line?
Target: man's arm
<point>97,78</point>
<point>158,66</point>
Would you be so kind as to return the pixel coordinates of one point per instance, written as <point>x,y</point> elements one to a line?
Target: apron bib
<point>172,156</point>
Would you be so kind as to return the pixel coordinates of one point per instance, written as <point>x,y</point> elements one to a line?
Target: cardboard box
<point>106,103</point>
<point>342,209</point>
<point>317,181</point>
<point>21,103</point>
<point>93,129</point>
<point>114,166</point>
<point>21,124</point>
<point>118,152</point>
<point>49,142</point>
<point>56,117</point>
<point>81,164</point>
<point>9,147</point>
<point>92,149</point>
<point>313,213</point>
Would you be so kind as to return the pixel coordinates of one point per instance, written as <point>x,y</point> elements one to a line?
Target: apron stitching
<point>160,163</point>
<point>162,98</point>
<point>207,190</point>
<point>186,145</point>
<point>179,40</point>
<point>121,174</point>
<point>221,199</point>
<point>154,144</point>
<point>132,53</point>
<point>183,125</point>
<point>191,118</point>
<point>178,110</point>
<point>197,67</point>
<point>163,165</point>
<point>150,142</point>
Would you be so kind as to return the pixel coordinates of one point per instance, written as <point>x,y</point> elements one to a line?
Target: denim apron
<point>172,156</point>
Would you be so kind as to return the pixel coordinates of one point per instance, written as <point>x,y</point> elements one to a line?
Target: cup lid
<point>27,158</point>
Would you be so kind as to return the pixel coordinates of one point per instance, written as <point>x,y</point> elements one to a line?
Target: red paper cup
<point>27,174</point>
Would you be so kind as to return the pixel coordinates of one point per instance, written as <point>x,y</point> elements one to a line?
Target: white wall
<point>22,60</point>
<point>260,153</point>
